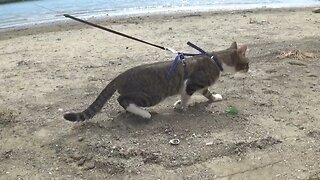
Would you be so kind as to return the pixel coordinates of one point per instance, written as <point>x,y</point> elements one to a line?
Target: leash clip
<point>172,50</point>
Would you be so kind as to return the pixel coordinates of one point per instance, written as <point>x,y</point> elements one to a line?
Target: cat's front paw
<point>217,97</point>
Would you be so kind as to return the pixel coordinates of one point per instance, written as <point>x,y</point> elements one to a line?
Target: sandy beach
<point>48,70</point>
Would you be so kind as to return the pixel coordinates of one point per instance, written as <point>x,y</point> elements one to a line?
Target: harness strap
<point>181,58</point>
<point>174,64</point>
<point>215,59</point>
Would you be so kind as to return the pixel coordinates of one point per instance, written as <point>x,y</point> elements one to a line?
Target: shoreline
<point>69,24</point>
<point>52,16</point>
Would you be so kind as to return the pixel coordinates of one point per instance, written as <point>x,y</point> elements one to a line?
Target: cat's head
<point>238,62</point>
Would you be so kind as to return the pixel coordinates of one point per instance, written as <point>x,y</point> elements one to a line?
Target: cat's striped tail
<point>96,106</point>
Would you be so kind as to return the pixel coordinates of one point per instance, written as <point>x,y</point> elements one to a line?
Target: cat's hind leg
<point>134,109</point>
<point>133,102</point>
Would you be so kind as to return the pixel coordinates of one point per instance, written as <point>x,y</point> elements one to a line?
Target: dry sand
<point>49,70</point>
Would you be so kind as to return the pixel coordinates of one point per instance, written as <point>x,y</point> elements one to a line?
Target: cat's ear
<point>242,50</point>
<point>233,45</point>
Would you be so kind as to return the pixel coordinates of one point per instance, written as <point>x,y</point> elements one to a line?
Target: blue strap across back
<point>181,56</point>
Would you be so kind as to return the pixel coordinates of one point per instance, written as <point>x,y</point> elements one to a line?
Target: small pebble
<point>209,143</point>
<point>76,156</point>
<point>174,141</point>
<point>184,157</point>
<point>80,139</point>
<point>81,162</point>
<point>89,165</point>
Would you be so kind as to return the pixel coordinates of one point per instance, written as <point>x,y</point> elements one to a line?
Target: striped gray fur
<point>147,85</point>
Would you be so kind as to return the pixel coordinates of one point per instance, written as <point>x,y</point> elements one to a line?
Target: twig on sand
<point>248,170</point>
<point>295,54</point>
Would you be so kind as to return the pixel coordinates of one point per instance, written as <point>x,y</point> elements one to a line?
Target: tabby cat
<point>147,85</point>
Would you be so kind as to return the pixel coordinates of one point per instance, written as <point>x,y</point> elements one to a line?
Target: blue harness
<point>181,58</point>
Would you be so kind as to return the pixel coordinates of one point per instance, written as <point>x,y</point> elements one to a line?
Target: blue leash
<point>181,57</point>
